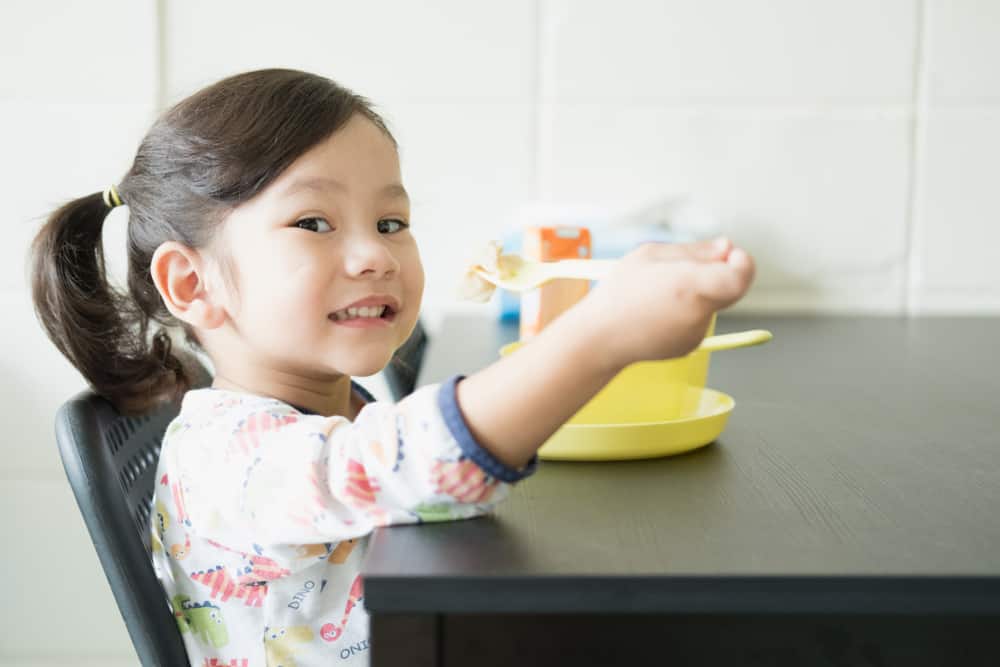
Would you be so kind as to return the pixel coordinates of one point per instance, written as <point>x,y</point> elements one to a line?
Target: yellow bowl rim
<point>728,404</point>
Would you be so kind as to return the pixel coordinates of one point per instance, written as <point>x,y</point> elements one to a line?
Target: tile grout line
<point>543,125</point>
<point>918,138</point>
<point>536,96</point>
<point>161,55</point>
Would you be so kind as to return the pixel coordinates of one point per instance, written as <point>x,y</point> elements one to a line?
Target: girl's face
<point>331,231</point>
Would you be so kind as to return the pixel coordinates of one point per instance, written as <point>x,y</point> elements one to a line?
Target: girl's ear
<point>179,274</point>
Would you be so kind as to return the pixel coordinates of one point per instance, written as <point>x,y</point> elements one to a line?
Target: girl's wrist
<point>583,336</point>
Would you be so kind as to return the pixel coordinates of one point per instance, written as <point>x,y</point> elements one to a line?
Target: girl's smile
<point>376,311</point>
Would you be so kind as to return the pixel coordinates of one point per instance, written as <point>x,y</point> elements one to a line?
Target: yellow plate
<point>702,417</point>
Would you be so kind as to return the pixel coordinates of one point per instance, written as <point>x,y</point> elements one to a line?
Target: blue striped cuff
<point>448,404</point>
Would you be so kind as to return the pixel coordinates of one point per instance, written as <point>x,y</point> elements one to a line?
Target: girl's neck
<point>334,398</point>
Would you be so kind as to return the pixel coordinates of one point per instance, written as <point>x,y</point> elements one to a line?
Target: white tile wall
<point>60,51</point>
<point>57,599</point>
<point>958,245</point>
<point>963,41</point>
<point>386,49</point>
<point>853,148</point>
<point>821,197</point>
<point>957,218</point>
<point>726,51</point>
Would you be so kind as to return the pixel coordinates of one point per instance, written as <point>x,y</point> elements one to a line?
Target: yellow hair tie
<point>111,198</point>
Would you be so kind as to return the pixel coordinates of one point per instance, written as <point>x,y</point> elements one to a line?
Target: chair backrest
<point>401,373</point>
<point>110,461</point>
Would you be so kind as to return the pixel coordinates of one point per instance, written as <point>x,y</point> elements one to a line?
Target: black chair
<point>110,461</point>
<point>401,373</point>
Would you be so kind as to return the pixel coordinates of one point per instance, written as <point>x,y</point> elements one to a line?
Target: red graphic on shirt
<point>261,569</point>
<point>330,632</point>
<point>360,487</point>
<point>463,480</point>
<point>224,587</point>
<point>233,662</point>
<point>178,494</point>
<point>360,490</point>
<point>248,434</point>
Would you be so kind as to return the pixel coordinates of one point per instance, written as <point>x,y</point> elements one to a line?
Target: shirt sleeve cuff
<point>448,404</point>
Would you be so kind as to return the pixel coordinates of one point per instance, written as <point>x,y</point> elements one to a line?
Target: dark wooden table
<point>848,515</point>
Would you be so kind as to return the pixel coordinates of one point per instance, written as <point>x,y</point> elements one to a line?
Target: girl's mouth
<point>366,316</point>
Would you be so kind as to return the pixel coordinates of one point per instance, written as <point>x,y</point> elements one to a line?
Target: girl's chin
<point>359,368</point>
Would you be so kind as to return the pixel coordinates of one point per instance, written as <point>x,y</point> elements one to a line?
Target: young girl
<point>268,220</point>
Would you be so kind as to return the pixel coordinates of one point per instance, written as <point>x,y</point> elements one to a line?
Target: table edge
<point>897,594</point>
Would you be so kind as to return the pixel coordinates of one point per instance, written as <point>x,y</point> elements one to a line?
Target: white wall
<point>853,146</point>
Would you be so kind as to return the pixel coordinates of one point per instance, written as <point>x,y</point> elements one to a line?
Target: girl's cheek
<point>416,269</point>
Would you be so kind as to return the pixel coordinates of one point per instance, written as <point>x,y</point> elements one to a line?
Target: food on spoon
<point>490,260</point>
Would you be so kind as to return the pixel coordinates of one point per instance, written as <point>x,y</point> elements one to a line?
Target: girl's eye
<point>391,226</point>
<point>314,224</point>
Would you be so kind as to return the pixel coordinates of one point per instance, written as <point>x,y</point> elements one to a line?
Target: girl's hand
<point>659,300</point>
<point>656,304</point>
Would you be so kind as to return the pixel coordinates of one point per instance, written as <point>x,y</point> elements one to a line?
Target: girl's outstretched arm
<point>656,304</point>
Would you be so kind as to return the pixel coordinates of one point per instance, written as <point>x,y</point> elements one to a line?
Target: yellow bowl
<point>651,408</point>
<point>646,391</point>
<point>704,414</point>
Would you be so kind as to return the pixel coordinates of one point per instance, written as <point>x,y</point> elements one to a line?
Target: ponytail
<point>102,331</point>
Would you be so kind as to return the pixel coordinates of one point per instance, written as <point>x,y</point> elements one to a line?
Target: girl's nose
<point>370,258</point>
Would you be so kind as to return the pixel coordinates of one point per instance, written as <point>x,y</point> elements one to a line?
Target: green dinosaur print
<point>204,619</point>
<point>436,512</point>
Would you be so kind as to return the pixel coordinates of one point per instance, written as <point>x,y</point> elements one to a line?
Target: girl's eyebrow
<point>394,191</point>
<point>389,191</point>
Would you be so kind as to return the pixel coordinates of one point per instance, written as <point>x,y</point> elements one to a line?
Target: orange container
<point>543,304</point>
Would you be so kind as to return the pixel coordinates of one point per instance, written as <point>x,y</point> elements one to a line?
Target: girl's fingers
<point>740,260</point>
<point>725,282</point>
<point>721,248</point>
<point>700,251</point>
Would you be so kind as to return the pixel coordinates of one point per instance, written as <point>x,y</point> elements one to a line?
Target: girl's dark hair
<point>203,157</point>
